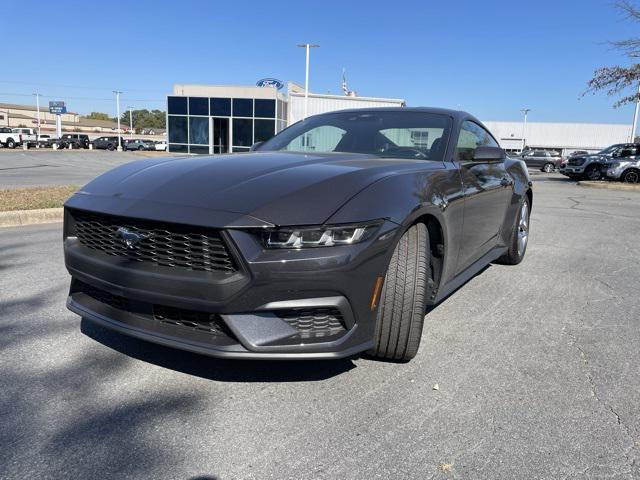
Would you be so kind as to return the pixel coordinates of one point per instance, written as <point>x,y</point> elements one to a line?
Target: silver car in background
<point>626,166</point>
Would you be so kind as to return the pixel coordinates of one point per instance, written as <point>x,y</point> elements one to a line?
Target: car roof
<point>456,114</point>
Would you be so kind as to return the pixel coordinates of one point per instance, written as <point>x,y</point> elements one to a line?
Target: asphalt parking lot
<point>537,368</point>
<point>27,168</point>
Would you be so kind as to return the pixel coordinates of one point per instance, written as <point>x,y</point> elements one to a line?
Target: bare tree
<point>615,80</point>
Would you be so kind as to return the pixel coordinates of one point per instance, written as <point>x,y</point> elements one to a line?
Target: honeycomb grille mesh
<point>164,244</point>
<point>192,319</point>
<point>314,322</point>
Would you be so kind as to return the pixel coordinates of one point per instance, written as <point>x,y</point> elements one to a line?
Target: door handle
<point>506,182</point>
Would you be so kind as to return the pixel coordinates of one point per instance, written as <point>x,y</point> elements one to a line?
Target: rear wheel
<point>593,172</point>
<point>631,176</point>
<point>402,303</point>
<point>519,236</point>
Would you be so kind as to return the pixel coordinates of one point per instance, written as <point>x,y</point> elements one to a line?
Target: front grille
<point>164,244</point>
<point>191,319</point>
<point>314,322</point>
<point>575,162</point>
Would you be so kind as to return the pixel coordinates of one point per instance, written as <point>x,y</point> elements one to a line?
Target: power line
<point>82,98</point>
<point>40,84</point>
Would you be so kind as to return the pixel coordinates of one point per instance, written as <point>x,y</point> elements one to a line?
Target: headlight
<point>320,236</point>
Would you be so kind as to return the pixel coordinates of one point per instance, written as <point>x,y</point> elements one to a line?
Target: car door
<point>488,189</point>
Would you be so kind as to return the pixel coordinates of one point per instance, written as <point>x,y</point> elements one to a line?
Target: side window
<point>320,139</point>
<point>471,137</point>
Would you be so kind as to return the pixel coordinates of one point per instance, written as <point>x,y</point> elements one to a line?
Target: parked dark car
<point>544,160</point>
<point>596,166</point>
<point>106,143</point>
<point>139,144</point>
<point>329,239</point>
<point>76,140</point>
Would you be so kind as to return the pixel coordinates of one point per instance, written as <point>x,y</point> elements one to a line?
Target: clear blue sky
<point>490,58</point>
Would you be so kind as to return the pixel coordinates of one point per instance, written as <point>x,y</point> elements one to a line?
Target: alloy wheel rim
<point>631,177</point>
<point>523,228</point>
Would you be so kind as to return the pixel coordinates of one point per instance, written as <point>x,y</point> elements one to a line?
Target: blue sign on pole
<point>57,108</point>
<point>270,82</point>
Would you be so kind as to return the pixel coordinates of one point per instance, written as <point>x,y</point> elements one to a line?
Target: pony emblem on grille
<point>130,239</point>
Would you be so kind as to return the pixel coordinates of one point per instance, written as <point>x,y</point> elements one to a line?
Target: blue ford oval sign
<point>270,82</point>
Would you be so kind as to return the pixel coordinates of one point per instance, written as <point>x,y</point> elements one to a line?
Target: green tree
<point>616,80</point>
<point>99,116</point>
<point>143,119</point>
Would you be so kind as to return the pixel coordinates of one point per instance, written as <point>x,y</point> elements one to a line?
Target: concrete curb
<point>20,218</point>
<point>611,185</point>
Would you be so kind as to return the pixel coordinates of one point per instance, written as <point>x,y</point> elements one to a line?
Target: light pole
<point>307,46</point>
<point>37,95</point>
<point>130,121</point>
<point>118,118</point>
<point>525,111</point>
<point>635,118</point>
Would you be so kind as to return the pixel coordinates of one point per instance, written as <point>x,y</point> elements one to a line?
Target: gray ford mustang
<point>331,239</point>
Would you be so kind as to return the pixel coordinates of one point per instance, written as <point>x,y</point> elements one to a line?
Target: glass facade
<point>221,125</point>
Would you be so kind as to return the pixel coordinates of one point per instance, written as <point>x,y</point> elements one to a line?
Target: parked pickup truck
<point>9,139</point>
<point>29,136</point>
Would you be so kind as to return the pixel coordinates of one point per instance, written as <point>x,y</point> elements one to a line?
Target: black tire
<point>402,303</point>
<point>631,176</point>
<point>548,167</point>
<point>516,252</point>
<point>111,147</point>
<point>10,143</point>
<point>593,173</point>
<point>140,148</point>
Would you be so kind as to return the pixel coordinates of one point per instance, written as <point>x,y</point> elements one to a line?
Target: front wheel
<point>10,143</point>
<point>402,303</point>
<point>631,176</point>
<point>593,173</point>
<point>548,167</point>
<point>519,236</point>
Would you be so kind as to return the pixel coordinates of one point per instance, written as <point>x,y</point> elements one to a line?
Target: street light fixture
<point>525,111</point>
<point>307,46</point>
<point>37,95</point>
<point>130,121</point>
<point>117,93</point>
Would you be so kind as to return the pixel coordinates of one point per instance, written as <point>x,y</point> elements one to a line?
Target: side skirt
<point>467,274</point>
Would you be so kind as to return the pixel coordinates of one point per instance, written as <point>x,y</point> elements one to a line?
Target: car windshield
<point>396,134</point>
<point>609,150</point>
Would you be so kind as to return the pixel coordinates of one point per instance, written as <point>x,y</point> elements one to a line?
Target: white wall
<point>566,136</point>
<point>329,103</point>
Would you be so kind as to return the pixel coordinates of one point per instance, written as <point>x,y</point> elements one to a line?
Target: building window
<point>198,149</point>
<point>242,107</point>
<point>265,108</point>
<point>198,106</point>
<point>264,129</point>
<point>221,107</point>
<point>178,148</point>
<point>177,105</point>
<point>242,132</point>
<point>177,129</point>
<point>199,130</point>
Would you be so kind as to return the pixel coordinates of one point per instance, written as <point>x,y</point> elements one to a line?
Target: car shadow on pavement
<point>215,368</point>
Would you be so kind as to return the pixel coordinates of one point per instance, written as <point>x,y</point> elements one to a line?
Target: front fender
<point>407,197</point>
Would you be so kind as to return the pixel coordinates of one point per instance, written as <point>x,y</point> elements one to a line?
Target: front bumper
<point>253,306</point>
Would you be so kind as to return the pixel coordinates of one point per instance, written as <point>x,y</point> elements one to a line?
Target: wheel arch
<point>437,249</point>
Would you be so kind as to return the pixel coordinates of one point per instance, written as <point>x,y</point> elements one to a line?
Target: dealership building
<point>211,119</point>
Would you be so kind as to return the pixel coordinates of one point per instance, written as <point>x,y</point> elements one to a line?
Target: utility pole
<point>307,46</point>
<point>525,111</point>
<point>37,95</point>
<point>635,118</point>
<point>130,121</point>
<point>118,118</point>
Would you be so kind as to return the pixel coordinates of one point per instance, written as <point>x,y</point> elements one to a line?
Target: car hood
<point>253,189</point>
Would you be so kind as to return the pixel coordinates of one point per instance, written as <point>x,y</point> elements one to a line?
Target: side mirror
<point>482,154</point>
<point>255,146</point>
